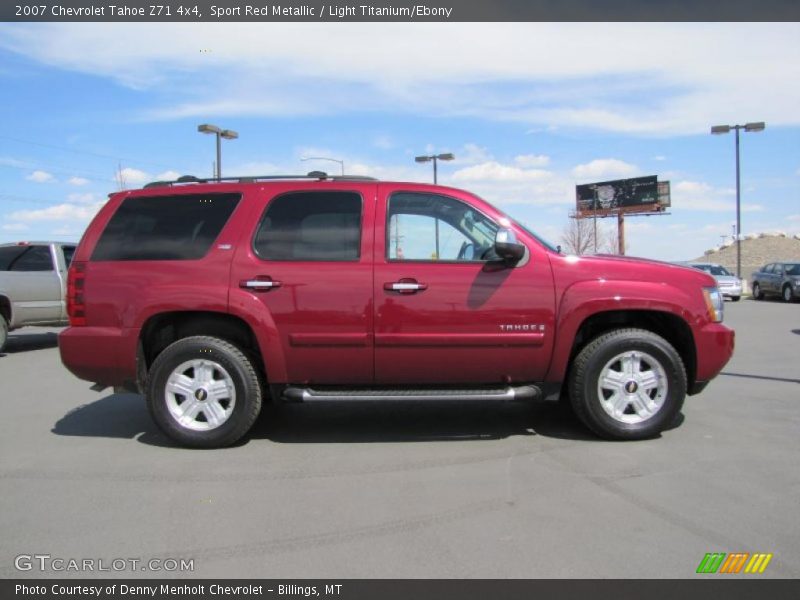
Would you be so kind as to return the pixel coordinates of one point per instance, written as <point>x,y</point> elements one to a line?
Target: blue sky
<point>529,109</point>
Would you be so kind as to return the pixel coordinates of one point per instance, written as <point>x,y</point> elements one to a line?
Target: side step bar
<point>508,394</point>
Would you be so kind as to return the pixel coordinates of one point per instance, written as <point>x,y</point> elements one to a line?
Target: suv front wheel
<point>203,392</point>
<point>627,384</point>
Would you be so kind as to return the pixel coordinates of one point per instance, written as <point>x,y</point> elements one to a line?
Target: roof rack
<point>317,175</point>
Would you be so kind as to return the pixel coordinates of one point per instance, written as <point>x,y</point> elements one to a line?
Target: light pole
<point>435,158</point>
<point>220,133</point>
<point>720,129</point>
<point>341,162</point>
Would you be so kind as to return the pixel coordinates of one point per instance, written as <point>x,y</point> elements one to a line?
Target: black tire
<point>735,298</point>
<point>786,293</point>
<point>593,358</point>
<point>3,332</point>
<point>757,293</point>
<point>220,355</point>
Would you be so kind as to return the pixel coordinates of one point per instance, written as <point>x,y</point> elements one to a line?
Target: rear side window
<point>165,227</point>
<point>315,226</point>
<point>26,259</point>
<point>8,254</point>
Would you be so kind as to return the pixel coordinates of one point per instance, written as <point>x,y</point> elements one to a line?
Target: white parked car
<point>729,284</point>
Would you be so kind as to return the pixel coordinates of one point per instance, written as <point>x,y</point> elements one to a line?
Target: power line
<point>86,152</point>
<point>63,171</point>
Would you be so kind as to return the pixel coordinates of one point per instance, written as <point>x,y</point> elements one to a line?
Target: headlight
<point>714,304</point>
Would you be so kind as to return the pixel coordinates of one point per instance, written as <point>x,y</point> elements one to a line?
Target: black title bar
<point>398,10</point>
<point>705,587</point>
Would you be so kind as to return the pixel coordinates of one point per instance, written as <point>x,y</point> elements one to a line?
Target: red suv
<point>211,297</point>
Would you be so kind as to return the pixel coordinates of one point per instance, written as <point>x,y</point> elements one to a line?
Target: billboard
<point>619,194</point>
<point>664,197</point>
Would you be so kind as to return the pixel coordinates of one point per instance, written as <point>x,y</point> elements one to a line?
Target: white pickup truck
<point>33,280</point>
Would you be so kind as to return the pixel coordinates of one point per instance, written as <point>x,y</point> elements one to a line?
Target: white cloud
<point>66,230</point>
<point>129,177</point>
<point>532,160</point>
<point>645,78</point>
<point>604,168</point>
<point>40,177</point>
<point>58,212</point>
<point>471,154</point>
<point>504,184</point>
<point>15,227</point>
<point>383,142</point>
<point>167,176</point>
<point>660,157</point>
<point>85,198</point>
<point>698,195</point>
<point>494,171</point>
<point>77,181</point>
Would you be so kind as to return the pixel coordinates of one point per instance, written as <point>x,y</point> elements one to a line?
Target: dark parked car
<point>777,279</point>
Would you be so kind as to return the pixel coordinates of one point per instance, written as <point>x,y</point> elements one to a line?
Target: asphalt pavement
<point>384,490</point>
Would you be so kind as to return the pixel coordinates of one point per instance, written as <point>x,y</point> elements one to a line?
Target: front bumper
<point>715,343</point>
<point>732,291</point>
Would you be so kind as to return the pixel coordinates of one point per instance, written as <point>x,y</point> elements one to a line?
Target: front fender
<point>587,298</point>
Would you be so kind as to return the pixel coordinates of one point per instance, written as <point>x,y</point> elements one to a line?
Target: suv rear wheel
<point>627,384</point>
<point>757,293</point>
<point>203,392</point>
<point>787,293</point>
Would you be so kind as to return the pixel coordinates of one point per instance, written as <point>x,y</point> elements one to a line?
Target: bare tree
<point>607,241</point>
<point>578,237</point>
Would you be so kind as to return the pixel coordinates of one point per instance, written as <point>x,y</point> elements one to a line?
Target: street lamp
<point>220,133</point>
<point>341,162</point>
<point>720,129</point>
<point>434,158</point>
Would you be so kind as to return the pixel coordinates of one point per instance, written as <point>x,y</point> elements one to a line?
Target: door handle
<point>259,284</point>
<point>405,286</point>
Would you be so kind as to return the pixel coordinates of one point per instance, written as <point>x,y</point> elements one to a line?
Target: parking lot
<point>443,490</point>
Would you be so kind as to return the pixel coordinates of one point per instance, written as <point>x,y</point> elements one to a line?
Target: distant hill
<point>757,250</point>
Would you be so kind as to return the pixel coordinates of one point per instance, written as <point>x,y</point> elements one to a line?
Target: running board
<point>508,394</point>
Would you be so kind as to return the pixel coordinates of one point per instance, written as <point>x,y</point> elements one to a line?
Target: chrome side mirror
<point>506,245</point>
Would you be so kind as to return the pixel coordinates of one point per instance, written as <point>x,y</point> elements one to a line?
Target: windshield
<point>792,268</point>
<point>539,238</point>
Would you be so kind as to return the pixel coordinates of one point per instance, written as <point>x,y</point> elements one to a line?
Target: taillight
<point>76,307</point>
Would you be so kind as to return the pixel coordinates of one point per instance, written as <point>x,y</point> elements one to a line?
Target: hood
<point>631,268</point>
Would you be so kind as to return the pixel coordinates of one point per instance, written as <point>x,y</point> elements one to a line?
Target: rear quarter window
<point>26,259</point>
<point>178,227</point>
<point>8,254</point>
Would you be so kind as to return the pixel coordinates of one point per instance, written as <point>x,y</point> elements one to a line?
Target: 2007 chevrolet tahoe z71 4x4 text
<point>212,296</point>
